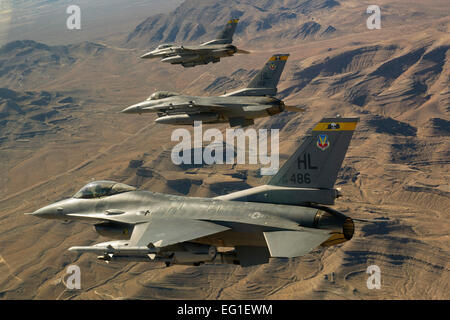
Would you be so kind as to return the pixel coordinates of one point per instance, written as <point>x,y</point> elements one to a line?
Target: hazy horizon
<point>45,20</point>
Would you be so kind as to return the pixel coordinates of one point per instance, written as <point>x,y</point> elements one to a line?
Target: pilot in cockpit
<point>99,189</point>
<point>161,95</point>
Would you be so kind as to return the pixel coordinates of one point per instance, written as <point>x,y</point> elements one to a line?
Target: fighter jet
<point>239,108</point>
<point>191,56</point>
<point>286,218</point>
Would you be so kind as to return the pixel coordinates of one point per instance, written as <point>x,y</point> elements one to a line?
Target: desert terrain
<point>60,128</point>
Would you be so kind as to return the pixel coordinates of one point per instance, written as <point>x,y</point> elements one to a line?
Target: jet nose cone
<point>147,55</point>
<point>39,213</point>
<point>46,212</point>
<point>136,108</point>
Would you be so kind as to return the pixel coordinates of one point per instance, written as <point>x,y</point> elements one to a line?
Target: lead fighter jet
<point>191,56</point>
<point>286,218</point>
<point>239,108</point>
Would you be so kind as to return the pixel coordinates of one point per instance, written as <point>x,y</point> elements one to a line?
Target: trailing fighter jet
<point>288,217</point>
<point>191,56</point>
<point>239,108</point>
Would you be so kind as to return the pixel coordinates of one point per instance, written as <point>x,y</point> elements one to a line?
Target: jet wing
<point>290,244</point>
<point>165,232</point>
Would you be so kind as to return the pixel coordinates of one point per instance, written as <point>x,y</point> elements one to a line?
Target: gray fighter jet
<point>239,108</point>
<point>191,56</point>
<point>285,218</point>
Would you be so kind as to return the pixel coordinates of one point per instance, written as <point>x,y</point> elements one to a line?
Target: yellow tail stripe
<point>335,126</point>
<point>274,58</point>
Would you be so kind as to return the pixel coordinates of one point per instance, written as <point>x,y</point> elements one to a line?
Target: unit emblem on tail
<point>323,142</point>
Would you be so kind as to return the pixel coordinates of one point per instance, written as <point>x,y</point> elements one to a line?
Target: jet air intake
<point>117,231</point>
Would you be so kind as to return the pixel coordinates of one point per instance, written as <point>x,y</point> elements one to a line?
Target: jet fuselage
<point>183,109</point>
<point>247,221</point>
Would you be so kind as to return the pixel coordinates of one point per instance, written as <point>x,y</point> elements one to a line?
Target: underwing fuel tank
<point>187,118</point>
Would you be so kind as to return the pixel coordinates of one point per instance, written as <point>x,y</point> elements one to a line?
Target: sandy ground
<point>394,79</point>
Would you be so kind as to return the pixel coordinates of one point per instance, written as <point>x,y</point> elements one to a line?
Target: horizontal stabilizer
<point>291,244</point>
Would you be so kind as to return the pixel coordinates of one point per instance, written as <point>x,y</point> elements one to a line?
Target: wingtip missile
<point>114,250</point>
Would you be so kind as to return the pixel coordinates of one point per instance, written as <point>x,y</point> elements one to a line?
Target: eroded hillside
<point>61,127</point>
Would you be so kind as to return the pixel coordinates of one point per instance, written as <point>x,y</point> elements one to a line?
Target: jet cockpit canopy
<point>99,189</point>
<point>162,94</point>
<point>164,45</point>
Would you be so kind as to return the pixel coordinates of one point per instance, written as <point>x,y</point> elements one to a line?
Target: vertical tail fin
<point>266,80</point>
<point>270,74</point>
<point>226,35</point>
<point>315,164</point>
<point>308,176</point>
